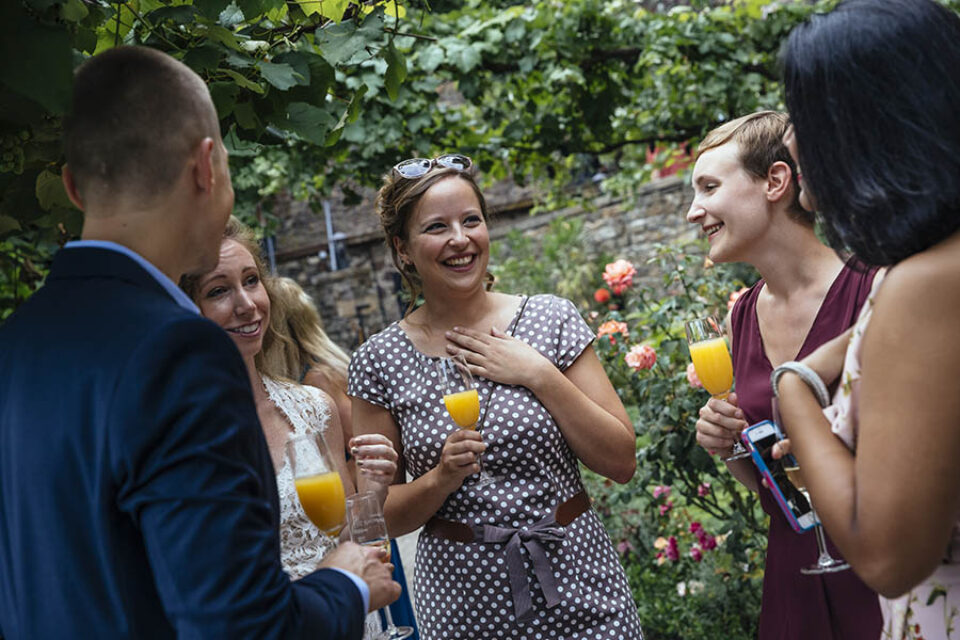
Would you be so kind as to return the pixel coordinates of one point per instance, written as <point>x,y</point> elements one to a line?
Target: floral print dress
<point>931,610</point>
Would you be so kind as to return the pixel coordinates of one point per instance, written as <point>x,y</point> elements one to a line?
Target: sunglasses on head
<point>419,167</point>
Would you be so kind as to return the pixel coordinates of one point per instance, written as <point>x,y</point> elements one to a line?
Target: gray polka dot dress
<point>463,590</point>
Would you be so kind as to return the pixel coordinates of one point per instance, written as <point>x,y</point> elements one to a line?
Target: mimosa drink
<point>322,498</point>
<point>714,367</point>
<point>464,407</point>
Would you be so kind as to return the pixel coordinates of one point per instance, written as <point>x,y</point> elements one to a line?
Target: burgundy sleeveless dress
<point>836,606</point>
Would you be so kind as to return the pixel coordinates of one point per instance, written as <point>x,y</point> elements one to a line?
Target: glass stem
<point>391,628</point>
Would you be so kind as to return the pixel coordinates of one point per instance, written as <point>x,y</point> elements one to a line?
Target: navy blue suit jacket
<point>137,495</point>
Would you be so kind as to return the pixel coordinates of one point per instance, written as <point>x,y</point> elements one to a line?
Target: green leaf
<point>48,76</point>
<point>396,70</point>
<point>74,11</point>
<point>333,9</point>
<point>203,58</point>
<point>341,42</point>
<point>223,36</point>
<point>307,121</point>
<point>211,8</point>
<point>231,16</point>
<point>8,224</point>
<point>224,95</point>
<point>183,14</point>
<point>253,8</point>
<point>430,58</point>
<point>282,76</point>
<point>238,147</point>
<point>243,81</point>
<point>50,191</point>
<point>350,114</point>
<point>246,115</point>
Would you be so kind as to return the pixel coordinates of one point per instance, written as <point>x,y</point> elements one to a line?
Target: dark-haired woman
<point>525,557</point>
<point>873,89</point>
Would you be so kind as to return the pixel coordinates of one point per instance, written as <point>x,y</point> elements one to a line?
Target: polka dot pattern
<point>463,590</point>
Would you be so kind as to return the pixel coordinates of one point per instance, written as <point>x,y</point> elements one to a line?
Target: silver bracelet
<point>806,374</point>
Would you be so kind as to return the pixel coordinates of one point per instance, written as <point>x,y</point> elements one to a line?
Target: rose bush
<point>691,539</point>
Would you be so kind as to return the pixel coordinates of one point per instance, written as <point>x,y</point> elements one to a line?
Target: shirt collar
<point>168,285</point>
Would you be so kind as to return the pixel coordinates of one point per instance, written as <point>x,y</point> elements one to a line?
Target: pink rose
<point>640,357</point>
<point>734,296</point>
<point>619,276</point>
<point>692,377</point>
<point>708,542</point>
<point>703,489</point>
<point>695,527</point>
<point>696,554</point>
<point>661,490</point>
<point>665,507</point>
<point>624,546</point>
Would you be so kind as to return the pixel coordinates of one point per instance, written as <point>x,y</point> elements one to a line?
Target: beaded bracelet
<point>806,374</point>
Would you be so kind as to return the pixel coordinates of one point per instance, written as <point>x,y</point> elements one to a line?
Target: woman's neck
<point>256,381</point>
<point>804,263</point>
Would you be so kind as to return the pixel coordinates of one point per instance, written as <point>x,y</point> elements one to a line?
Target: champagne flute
<point>317,481</point>
<point>825,562</point>
<point>462,400</point>
<point>711,359</point>
<point>368,528</point>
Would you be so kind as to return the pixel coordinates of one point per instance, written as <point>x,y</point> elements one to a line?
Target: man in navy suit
<point>137,495</point>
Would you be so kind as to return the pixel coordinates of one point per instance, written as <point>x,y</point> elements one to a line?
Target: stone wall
<point>361,299</point>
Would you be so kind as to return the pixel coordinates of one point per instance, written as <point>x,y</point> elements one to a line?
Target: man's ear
<point>779,181</point>
<point>70,186</point>
<point>203,165</point>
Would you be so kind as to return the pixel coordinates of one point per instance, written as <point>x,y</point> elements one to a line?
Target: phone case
<point>771,483</point>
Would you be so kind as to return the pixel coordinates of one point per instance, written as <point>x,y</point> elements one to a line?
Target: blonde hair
<point>396,202</point>
<point>759,137</point>
<point>299,341</point>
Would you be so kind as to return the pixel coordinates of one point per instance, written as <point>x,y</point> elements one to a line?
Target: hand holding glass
<point>825,562</point>
<point>317,481</point>
<point>368,528</point>
<point>462,400</point>
<point>711,359</point>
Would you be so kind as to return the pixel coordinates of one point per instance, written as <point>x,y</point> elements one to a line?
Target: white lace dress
<point>302,545</point>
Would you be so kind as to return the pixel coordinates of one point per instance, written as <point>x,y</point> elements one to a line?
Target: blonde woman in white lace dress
<point>235,295</point>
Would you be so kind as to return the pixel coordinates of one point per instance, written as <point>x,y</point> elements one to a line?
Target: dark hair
<point>759,137</point>
<point>396,202</point>
<point>872,89</point>
<point>137,114</point>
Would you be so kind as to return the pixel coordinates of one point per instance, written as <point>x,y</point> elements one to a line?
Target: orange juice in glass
<point>711,359</point>
<point>322,499</point>
<point>463,407</point>
<point>317,481</point>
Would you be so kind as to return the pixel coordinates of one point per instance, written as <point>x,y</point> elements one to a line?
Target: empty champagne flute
<point>825,562</point>
<point>317,481</point>
<point>711,359</point>
<point>462,400</point>
<point>368,528</point>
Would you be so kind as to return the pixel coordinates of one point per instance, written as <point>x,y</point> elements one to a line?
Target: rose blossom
<point>693,378</point>
<point>624,546</point>
<point>601,295</point>
<point>661,490</point>
<point>673,551</point>
<point>703,489</point>
<point>619,276</point>
<point>708,542</point>
<point>665,508</point>
<point>640,357</point>
<point>696,554</point>
<point>611,327</point>
<point>695,527</point>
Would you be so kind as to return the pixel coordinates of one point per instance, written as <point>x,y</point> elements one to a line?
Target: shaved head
<point>137,115</point>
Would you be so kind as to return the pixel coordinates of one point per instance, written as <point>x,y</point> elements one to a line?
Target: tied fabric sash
<point>532,538</point>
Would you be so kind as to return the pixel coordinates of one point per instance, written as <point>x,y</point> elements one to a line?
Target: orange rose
<point>612,327</point>
<point>641,356</point>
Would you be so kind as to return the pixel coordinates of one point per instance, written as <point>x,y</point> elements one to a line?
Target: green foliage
<point>562,266</point>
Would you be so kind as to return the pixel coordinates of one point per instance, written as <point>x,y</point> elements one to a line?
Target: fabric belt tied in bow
<point>532,537</point>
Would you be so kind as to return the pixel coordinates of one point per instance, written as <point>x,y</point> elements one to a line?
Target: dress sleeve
<point>364,378</point>
<point>573,336</point>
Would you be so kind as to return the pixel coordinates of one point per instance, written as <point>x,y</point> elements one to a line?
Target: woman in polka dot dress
<point>524,557</point>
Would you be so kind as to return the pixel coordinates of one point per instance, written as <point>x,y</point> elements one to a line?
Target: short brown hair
<point>396,202</point>
<point>759,136</point>
<point>137,114</point>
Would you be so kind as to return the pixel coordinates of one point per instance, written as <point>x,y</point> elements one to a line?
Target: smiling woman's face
<point>233,296</point>
<point>447,238</point>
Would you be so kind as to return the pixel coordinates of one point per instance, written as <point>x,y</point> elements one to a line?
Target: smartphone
<point>759,439</point>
